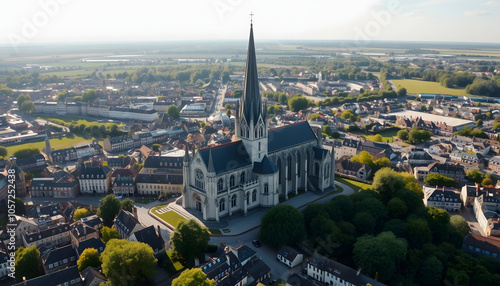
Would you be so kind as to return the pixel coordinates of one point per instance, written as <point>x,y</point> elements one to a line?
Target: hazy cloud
<point>475,13</point>
<point>492,3</point>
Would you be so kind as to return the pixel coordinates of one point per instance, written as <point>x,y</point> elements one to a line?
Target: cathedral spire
<point>251,103</point>
<point>211,167</point>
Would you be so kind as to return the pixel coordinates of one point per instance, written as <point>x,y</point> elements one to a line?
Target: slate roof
<point>126,222</point>
<point>228,157</point>
<point>439,195</point>
<point>93,242</point>
<point>490,243</point>
<point>163,162</point>
<point>319,153</point>
<point>265,167</point>
<point>123,181</point>
<point>58,254</point>
<point>288,253</point>
<point>257,268</point>
<point>159,179</point>
<point>90,274</point>
<point>289,136</point>
<point>56,278</point>
<point>149,237</point>
<point>93,172</point>
<point>81,230</point>
<point>35,236</point>
<point>91,221</point>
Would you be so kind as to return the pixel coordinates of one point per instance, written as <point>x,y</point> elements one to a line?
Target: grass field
<point>386,136</point>
<point>355,185</point>
<point>171,265</point>
<point>68,120</point>
<point>170,217</point>
<point>419,86</point>
<point>55,143</point>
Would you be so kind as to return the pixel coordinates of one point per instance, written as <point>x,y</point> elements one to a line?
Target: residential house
<point>68,276</point>
<point>377,150</point>
<point>494,164</point>
<point>81,231</point>
<point>84,151</point>
<point>92,277</point>
<point>62,185</point>
<point>94,179</point>
<point>4,261</point>
<point>454,171</point>
<point>440,149</point>
<point>443,199</point>
<point>53,236</point>
<point>93,242</point>
<point>348,148</point>
<point>347,167</point>
<point>93,221</point>
<point>171,165</point>
<point>34,162</point>
<point>123,186</point>
<point>22,225</point>
<point>59,258</point>
<point>332,272</point>
<point>486,207</point>
<point>289,256</point>
<point>150,236</point>
<point>418,157</point>
<point>156,184</point>
<point>64,155</point>
<point>474,159</point>
<point>480,245</point>
<point>126,224</point>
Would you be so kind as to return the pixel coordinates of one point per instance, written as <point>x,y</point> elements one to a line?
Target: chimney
<point>477,190</point>
<point>359,271</point>
<point>135,214</point>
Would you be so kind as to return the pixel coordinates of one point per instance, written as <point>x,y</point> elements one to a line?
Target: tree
<point>315,117</point>
<point>436,179</point>
<point>397,207</point>
<point>419,232</point>
<point>486,182</point>
<point>20,206</point>
<point>479,123</point>
<point>282,225</point>
<point>126,262</point>
<point>387,182</point>
<point>297,103</point>
<point>379,254</point>
<point>27,261</point>
<point>173,111</point>
<point>127,205</point>
<point>3,151</point>
<point>475,176</point>
<point>27,107</point>
<point>460,225</point>
<point>364,158</point>
<point>430,272</point>
<point>108,233</point>
<point>383,163</point>
<point>156,147</point>
<point>282,99</point>
<point>193,277</point>
<point>378,138</point>
<point>138,166</point>
<point>26,153</point>
<point>228,113</point>
<point>108,208</point>
<point>189,240</point>
<point>403,135</point>
<point>401,91</point>
<point>228,106</point>
<point>348,115</point>
<point>417,136</point>
<point>89,95</point>
<point>89,257</point>
<point>22,98</point>
<point>79,213</point>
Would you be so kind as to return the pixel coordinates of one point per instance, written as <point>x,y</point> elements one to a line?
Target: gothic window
<point>261,131</point>
<point>233,201</point>
<point>220,185</point>
<point>327,171</point>
<point>266,188</point>
<point>254,195</point>
<point>199,183</point>
<point>279,171</point>
<point>242,178</point>
<point>248,198</point>
<point>256,133</point>
<point>259,146</point>
<point>316,169</point>
<point>298,165</point>
<point>222,205</point>
<point>289,171</point>
<point>231,181</point>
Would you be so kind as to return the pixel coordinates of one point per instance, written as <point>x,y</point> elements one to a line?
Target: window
<point>199,183</point>
<point>254,195</point>
<point>289,171</point>
<point>242,178</point>
<point>248,198</point>
<point>316,169</point>
<point>220,185</point>
<point>261,130</point>
<point>231,181</point>
<point>222,205</point>
<point>259,146</point>
<point>233,201</point>
<point>326,170</point>
<point>256,133</point>
<point>266,188</point>
<point>298,165</point>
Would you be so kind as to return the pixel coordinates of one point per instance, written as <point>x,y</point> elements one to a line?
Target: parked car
<point>256,243</point>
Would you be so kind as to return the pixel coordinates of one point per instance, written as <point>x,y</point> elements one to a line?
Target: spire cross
<point>251,17</point>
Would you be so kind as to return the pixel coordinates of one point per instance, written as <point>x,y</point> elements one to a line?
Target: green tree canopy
<point>27,107</point>
<point>79,213</point>
<point>108,233</point>
<point>297,103</point>
<point>127,262</point>
<point>417,136</point>
<point>3,151</point>
<point>397,207</point>
<point>128,205</point>
<point>22,98</point>
<point>173,111</point>
<point>436,179</point>
<point>109,207</point>
<point>188,241</point>
<point>430,272</point>
<point>282,225</point>
<point>27,262</point>
<point>348,115</point>
<point>403,135</point>
<point>89,257</point>
<point>380,254</point>
<point>156,147</point>
<point>387,182</point>
<point>89,95</point>
<point>193,277</point>
<point>475,176</point>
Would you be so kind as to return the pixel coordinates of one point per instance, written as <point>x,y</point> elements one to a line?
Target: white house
<point>289,256</point>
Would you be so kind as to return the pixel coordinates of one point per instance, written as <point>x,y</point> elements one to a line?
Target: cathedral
<point>261,165</point>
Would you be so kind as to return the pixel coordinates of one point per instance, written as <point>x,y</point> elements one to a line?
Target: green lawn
<point>170,217</point>
<point>55,143</point>
<point>171,265</point>
<point>68,120</point>
<point>419,86</point>
<point>355,185</point>
<point>215,231</point>
<point>387,136</point>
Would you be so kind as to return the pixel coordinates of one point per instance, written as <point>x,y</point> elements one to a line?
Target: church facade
<point>261,166</point>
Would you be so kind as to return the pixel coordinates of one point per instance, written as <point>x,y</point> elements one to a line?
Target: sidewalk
<point>239,224</point>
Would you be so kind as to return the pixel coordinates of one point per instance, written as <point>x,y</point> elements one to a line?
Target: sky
<point>70,21</point>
